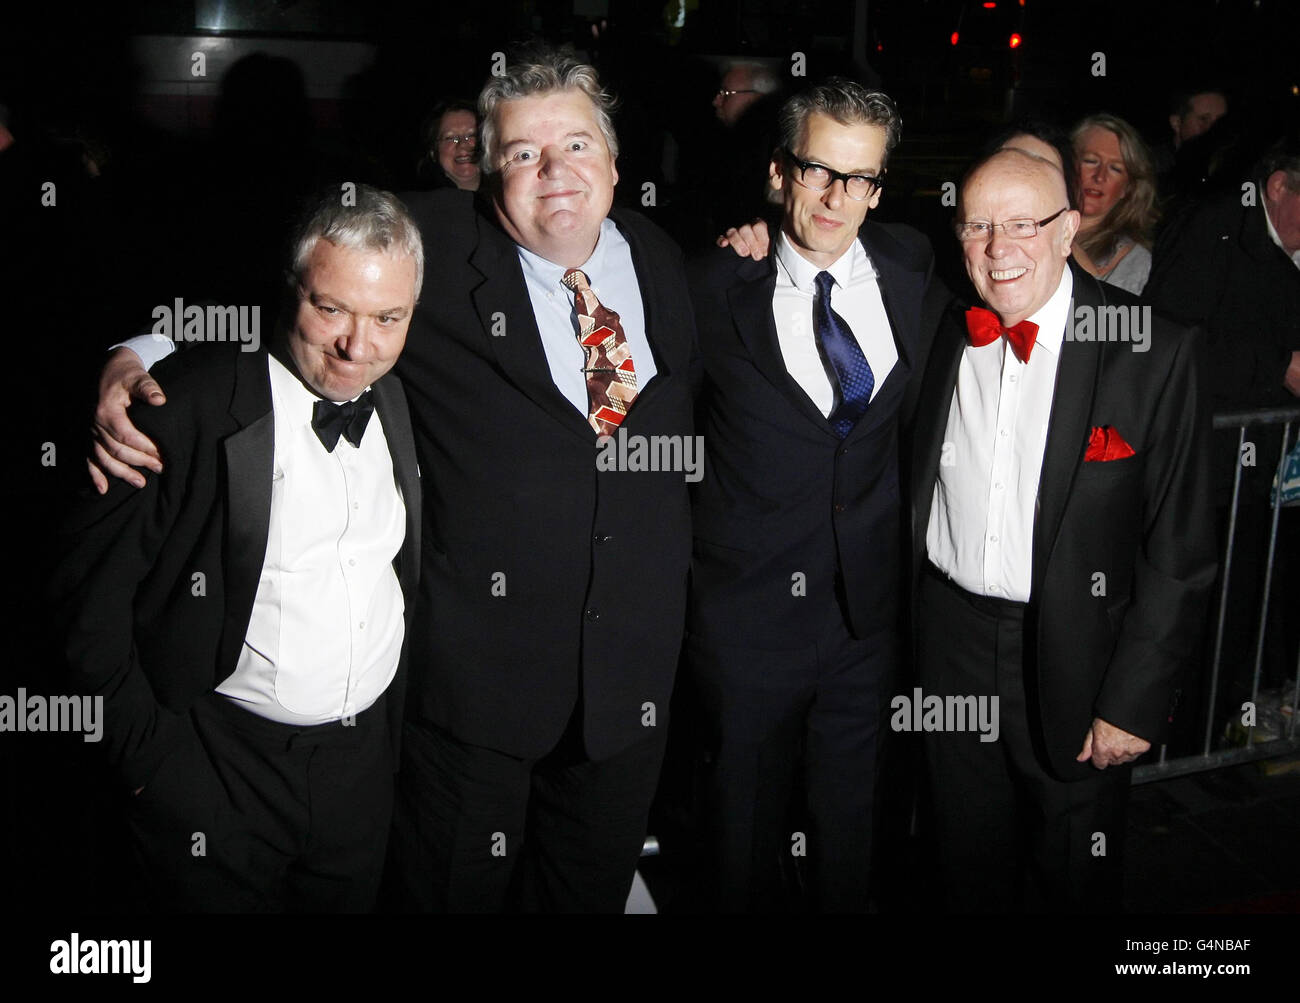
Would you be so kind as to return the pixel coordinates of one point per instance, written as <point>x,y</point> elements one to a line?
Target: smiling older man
<point>1062,547</point>
<point>552,592</point>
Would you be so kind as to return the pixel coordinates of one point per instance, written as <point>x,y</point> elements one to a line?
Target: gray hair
<point>848,103</point>
<point>548,73</point>
<point>378,221</point>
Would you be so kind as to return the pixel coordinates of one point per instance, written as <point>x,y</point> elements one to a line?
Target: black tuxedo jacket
<point>547,582</point>
<point>1144,522</point>
<point>142,631</point>
<point>782,493</point>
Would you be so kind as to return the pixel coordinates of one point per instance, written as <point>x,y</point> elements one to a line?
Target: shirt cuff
<point>152,348</point>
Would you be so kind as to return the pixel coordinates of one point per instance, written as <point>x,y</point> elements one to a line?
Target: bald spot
<point>1015,165</point>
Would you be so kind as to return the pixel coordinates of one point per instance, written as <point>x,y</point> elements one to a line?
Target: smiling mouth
<point>1008,274</point>
<point>826,222</point>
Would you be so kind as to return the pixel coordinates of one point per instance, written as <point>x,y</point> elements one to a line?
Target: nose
<point>998,245</point>
<point>551,161</point>
<point>356,344</point>
<point>834,196</point>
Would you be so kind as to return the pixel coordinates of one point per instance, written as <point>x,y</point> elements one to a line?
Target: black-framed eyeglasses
<point>724,93</point>
<point>819,177</point>
<point>1016,229</point>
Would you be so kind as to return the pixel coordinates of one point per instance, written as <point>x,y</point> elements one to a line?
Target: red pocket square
<point>1106,444</point>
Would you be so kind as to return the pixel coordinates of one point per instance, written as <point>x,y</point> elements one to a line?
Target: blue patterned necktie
<point>841,353</point>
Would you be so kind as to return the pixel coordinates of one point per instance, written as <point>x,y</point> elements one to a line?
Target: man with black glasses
<point>797,572</point>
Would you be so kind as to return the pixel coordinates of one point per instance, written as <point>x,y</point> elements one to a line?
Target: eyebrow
<point>576,134</point>
<point>870,171</point>
<point>317,299</point>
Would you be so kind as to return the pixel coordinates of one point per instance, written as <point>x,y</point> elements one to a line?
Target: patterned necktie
<point>349,419</point>
<point>842,353</point>
<point>985,327</point>
<point>611,377</point>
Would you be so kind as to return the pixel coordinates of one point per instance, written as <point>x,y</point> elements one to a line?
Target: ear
<point>776,172</point>
<point>1070,226</point>
<point>1275,186</point>
<point>613,170</point>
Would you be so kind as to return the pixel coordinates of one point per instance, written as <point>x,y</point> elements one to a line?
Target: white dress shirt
<point>613,279</point>
<point>855,297</point>
<point>326,630</point>
<point>981,530</point>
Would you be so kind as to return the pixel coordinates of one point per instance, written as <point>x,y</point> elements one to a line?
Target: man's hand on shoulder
<point>119,447</point>
<point>748,241</point>
<point>1107,745</point>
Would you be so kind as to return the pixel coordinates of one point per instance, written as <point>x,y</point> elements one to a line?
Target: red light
<point>954,38</point>
<point>1015,40</point>
<point>989,5</point>
<point>880,46</point>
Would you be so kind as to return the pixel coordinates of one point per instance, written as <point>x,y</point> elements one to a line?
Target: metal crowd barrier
<point>1210,758</point>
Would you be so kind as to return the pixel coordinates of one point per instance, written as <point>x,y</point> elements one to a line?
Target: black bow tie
<point>330,420</point>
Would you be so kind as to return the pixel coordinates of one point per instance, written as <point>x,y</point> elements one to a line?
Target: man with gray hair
<point>245,614</point>
<point>553,590</point>
<point>793,630</point>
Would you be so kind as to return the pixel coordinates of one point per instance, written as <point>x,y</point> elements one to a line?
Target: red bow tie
<point>985,327</point>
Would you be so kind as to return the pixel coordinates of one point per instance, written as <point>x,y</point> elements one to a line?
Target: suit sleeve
<point>1176,567</point>
<point>108,546</point>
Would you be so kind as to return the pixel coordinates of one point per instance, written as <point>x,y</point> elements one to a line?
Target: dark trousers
<point>478,831</point>
<point>256,816</point>
<point>805,719</point>
<point>1010,835</point>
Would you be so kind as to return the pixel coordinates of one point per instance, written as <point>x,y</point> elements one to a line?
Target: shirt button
<point>361,625</point>
<point>602,538</point>
<point>993,539</point>
<point>593,614</point>
<point>840,506</point>
<point>998,485</point>
<point>994,588</point>
<point>356,504</point>
<point>1003,433</point>
<point>1014,377</point>
<point>352,562</point>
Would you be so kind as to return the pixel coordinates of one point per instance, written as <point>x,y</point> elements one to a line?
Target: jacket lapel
<point>935,401</point>
<point>250,465</point>
<point>501,298</point>
<point>750,302</point>
<point>898,284</point>
<point>649,281</point>
<point>390,404</point>
<point>1077,373</point>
